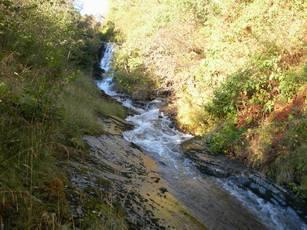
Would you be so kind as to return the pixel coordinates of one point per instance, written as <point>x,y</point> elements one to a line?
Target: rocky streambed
<point>122,174</point>
<point>164,179</point>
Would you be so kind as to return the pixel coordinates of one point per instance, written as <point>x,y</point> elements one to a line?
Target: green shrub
<point>227,65</point>
<point>225,98</point>
<point>225,138</point>
<point>290,83</point>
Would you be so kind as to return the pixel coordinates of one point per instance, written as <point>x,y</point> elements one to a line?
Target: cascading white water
<point>208,198</point>
<point>107,84</point>
<point>105,64</point>
<point>106,60</point>
<point>154,132</point>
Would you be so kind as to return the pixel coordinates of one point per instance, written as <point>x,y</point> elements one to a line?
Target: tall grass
<point>47,103</point>
<point>31,185</point>
<point>83,106</point>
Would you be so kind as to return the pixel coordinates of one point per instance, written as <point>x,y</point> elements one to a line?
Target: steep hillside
<point>48,102</point>
<point>234,72</point>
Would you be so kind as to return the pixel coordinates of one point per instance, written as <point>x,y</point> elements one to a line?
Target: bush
<point>46,105</point>
<point>228,68</point>
<point>225,138</point>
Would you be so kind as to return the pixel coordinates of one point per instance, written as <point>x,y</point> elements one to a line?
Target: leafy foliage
<point>46,106</point>
<point>235,68</point>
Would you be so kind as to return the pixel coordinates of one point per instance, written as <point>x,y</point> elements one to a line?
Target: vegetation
<point>236,71</point>
<point>47,103</point>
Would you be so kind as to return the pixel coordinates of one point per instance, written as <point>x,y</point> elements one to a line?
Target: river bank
<point>234,72</point>
<point>218,191</point>
<point>139,188</point>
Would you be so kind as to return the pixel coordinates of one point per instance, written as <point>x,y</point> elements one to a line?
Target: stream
<point>242,200</point>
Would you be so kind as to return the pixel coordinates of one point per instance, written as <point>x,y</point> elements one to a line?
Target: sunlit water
<point>218,203</point>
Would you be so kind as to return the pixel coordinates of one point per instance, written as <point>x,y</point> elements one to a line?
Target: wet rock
<point>208,163</point>
<point>130,171</point>
<point>165,92</point>
<point>141,94</point>
<point>163,190</point>
<point>98,72</point>
<point>121,122</point>
<point>156,179</point>
<point>101,50</point>
<point>195,144</point>
<point>250,181</point>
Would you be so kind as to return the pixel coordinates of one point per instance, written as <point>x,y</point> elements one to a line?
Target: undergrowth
<point>235,69</point>
<point>47,103</point>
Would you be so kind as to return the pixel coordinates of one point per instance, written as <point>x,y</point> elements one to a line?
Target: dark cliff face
<point>101,50</point>
<point>97,70</point>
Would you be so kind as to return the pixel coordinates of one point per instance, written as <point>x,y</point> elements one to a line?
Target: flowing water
<point>241,201</point>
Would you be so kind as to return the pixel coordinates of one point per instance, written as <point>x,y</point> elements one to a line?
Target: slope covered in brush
<point>47,103</point>
<point>235,70</point>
